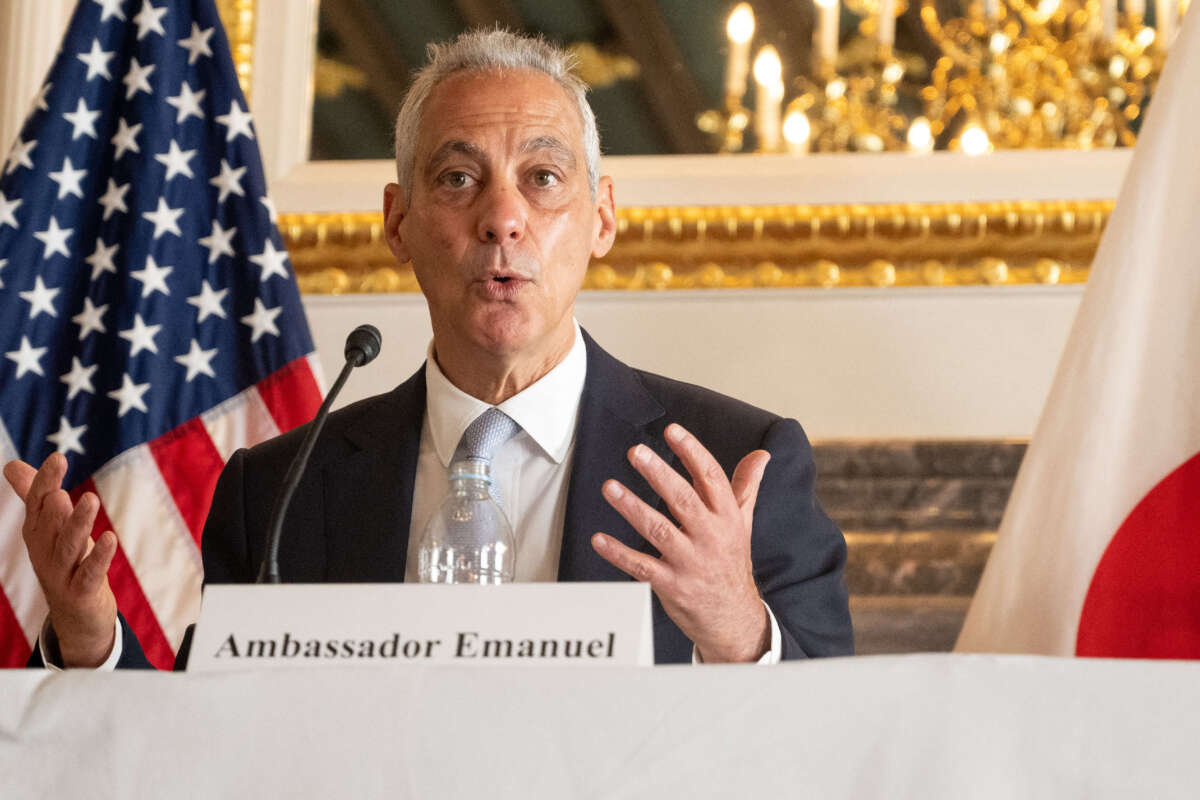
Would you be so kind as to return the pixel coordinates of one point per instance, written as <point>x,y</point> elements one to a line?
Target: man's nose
<point>501,213</point>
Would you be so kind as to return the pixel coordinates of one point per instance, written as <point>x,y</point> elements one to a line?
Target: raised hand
<point>704,578</point>
<point>72,569</point>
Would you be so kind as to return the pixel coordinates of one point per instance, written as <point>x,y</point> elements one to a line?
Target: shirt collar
<point>547,410</point>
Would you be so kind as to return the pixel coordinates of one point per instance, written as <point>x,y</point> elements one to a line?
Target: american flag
<point>151,321</point>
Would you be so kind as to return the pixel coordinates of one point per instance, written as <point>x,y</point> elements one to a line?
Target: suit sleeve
<point>798,552</point>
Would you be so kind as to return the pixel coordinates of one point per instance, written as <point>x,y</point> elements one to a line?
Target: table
<point>924,726</point>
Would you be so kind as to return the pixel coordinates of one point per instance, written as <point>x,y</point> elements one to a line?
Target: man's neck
<point>494,378</point>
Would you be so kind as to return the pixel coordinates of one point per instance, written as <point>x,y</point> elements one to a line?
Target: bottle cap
<point>472,469</point>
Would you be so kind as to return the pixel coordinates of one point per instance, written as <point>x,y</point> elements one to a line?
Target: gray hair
<point>496,51</point>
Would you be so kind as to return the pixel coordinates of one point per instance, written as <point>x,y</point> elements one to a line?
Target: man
<point>499,206</point>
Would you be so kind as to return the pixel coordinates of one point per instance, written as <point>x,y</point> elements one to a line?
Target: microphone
<point>362,345</point>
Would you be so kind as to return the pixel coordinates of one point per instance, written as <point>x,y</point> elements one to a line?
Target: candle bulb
<point>826,35</point>
<point>991,9</point>
<point>740,30</point>
<point>887,24</point>
<point>1165,12</point>
<point>768,75</point>
<point>797,131</point>
<point>1108,19</point>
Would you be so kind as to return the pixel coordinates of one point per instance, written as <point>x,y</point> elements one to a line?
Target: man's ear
<point>394,209</point>
<point>605,230</point>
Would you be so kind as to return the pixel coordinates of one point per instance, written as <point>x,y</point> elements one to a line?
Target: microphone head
<point>362,345</point>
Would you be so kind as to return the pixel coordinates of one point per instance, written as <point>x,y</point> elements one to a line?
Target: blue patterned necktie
<point>483,437</point>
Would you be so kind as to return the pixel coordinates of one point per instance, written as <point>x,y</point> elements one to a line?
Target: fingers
<point>19,476</point>
<point>679,495</point>
<point>48,479</point>
<point>93,569</point>
<point>638,566</point>
<point>653,526</point>
<point>708,477</point>
<point>747,476</point>
<point>73,540</point>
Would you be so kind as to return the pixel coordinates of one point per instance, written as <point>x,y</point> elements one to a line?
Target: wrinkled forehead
<point>522,104</point>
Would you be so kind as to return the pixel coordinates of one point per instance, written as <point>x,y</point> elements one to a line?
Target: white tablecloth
<point>911,726</point>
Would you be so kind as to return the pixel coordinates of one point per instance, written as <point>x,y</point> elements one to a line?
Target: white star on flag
<point>153,278</point>
<point>197,43</point>
<point>89,319</point>
<point>187,103</point>
<point>19,157</point>
<point>218,242</point>
<point>140,336</point>
<point>136,79</point>
<point>272,262</point>
<point>67,438</point>
<point>101,259</point>
<point>237,121</point>
<point>269,205</point>
<point>112,8</point>
<point>97,61</point>
<point>125,138</point>
<point>79,379</point>
<point>68,180</point>
<point>262,320</point>
<point>129,395</point>
<point>40,299</point>
<point>54,239</point>
<point>83,120</point>
<point>113,198</point>
<point>3,263</point>
<point>176,160</point>
<point>7,211</point>
<point>149,19</point>
<point>208,302</point>
<point>197,361</point>
<point>165,219</point>
<point>27,357</point>
<point>39,101</point>
<point>229,181</point>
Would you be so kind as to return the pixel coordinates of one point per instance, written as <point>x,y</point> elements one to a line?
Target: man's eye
<point>544,178</point>
<point>456,180</point>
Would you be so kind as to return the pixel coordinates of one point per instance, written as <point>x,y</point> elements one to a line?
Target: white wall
<point>894,363</point>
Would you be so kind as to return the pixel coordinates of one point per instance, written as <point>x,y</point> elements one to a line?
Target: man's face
<point>501,223</point>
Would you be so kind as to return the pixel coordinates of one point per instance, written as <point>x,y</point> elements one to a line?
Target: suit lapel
<point>368,492</point>
<point>615,413</point>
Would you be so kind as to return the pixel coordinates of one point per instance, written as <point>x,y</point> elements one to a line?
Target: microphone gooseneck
<point>362,345</point>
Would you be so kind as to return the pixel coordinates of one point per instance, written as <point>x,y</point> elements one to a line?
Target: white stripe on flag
<point>17,578</point>
<point>160,549</point>
<point>240,421</point>
<point>314,366</point>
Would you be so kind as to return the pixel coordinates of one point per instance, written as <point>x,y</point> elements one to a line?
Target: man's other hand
<point>72,569</point>
<point>704,578</point>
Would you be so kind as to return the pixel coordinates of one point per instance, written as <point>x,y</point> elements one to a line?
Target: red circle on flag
<point>1144,600</point>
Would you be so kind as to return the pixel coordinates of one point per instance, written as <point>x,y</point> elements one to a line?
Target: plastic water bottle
<point>469,539</point>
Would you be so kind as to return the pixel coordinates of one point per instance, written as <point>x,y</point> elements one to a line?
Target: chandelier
<point>1003,74</point>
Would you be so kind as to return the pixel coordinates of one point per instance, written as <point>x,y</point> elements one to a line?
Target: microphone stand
<point>362,345</point>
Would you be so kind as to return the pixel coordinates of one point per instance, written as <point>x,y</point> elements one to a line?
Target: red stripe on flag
<point>190,465</point>
<point>291,394</point>
<point>14,648</point>
<point>1144,599</point>
<point>131,600</point>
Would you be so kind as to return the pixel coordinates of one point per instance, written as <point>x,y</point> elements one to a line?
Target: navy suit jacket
<point>349,519</point>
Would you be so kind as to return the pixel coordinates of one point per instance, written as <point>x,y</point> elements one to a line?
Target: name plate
<point>290,625</point>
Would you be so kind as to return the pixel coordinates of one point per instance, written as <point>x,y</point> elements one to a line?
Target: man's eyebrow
<point>554,145</point>
<point>452,147</point>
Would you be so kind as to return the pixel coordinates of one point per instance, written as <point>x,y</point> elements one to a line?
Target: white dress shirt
<point>532,469</point>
